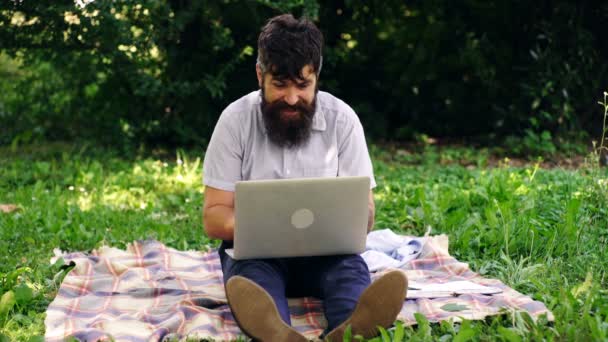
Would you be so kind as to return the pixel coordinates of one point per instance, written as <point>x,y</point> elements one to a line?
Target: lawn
<point>541,231</point>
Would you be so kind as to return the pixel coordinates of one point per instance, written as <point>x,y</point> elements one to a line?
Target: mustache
<point>280,105</point>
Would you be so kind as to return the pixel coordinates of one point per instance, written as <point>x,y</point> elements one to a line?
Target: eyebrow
<point>283,81</point>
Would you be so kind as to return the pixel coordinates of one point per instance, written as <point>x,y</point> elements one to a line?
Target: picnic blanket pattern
<point>150,292</point>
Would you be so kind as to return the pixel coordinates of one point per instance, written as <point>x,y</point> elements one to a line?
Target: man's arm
<point>218,214</point>
<point>372,211</point>
<point>353,156</point>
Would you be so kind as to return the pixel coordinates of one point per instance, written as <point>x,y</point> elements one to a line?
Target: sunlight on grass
<point>379,196</point>
<point>147,184</point>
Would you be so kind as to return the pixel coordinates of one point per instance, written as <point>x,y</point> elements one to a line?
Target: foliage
<point>466,68</point>
<point>601,152</point>
<point>160,72</point>
<point>604,104</point>
<point>124,71</point>
<point>531,143</point>
<point>541,231</point>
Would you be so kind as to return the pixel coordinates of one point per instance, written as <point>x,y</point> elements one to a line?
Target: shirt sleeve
<point>353,155</point>
<point>224,155</point>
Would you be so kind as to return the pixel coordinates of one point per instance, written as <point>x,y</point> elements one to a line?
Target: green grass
<point>541,231</point>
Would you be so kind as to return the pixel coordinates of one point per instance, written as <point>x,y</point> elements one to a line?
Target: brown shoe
<point>378,305</point>
<point>256,313</point>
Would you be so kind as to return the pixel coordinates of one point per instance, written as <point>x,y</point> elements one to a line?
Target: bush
<point>160,72</point>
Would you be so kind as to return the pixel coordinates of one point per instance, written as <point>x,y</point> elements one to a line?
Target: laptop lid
<point>300,217</point>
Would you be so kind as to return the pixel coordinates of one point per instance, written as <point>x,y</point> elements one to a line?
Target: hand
<point>230,222</point>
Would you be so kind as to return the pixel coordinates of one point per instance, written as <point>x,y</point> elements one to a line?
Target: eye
<point>279,85</point>
<point>303,85</point>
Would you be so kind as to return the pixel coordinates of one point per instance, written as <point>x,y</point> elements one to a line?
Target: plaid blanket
<point>150,292</point>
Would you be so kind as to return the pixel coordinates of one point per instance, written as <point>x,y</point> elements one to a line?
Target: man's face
<point>288,106</point>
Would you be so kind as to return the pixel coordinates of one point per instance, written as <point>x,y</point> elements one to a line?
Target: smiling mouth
<point>289,113</point>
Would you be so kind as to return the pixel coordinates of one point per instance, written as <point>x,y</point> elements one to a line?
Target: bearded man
<point>290,129</point>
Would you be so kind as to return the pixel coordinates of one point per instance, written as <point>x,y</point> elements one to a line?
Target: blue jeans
<point>338,280</point>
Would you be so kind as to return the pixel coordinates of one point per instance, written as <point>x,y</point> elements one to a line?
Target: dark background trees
<point>160,71</point>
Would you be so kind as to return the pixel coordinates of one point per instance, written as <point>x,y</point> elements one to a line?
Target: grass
<point>542,231</point>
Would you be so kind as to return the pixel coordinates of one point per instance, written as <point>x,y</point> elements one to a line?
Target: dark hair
<point>287,44</point>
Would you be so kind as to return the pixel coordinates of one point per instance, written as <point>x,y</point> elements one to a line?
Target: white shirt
<point>240,149</point>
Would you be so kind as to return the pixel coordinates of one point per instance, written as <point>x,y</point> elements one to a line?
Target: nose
<point>291,96</point>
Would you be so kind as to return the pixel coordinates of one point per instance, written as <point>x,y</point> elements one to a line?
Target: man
<point>289,129</point>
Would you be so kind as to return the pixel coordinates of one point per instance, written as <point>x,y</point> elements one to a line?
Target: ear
<point>258,72</point>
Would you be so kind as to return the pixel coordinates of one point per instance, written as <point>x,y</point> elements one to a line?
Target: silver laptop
<point>300,217</point>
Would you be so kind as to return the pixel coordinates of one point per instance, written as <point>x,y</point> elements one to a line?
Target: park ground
<point>539,225</point>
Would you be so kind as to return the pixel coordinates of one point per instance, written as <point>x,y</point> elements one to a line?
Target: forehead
<point>306,74</point>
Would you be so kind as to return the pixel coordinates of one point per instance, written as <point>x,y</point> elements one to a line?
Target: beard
<point>292,131</point>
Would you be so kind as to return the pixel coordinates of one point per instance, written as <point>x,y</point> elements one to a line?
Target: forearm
<point>219,222</point>
<point>370,218</point>
<point>371,205</point>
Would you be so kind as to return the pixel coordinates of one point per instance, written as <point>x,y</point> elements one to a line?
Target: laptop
<point>300,217</point>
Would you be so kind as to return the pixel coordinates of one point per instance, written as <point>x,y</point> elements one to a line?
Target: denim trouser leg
<point>342,281</point>
<point>270,274</point>
<point>338,280</point>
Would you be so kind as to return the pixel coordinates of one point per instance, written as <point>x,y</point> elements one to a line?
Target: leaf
<point>399,332</point>
<point>509,334</point>
<point>424,327</point>
<point>385,336</point>
<point>421,319</point>
<point>8,208</point>
<point>7,302</point>
<point>23,294</point>
<point>584,287</point>
<point>453,307</point>
<point>4,338</point>
<point>466,332</point>
<point>36,339</point>
<point>11,277</point>
<point>347,334</point>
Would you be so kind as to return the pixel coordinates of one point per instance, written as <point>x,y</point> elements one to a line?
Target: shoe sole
<point>378,305</point>
<point>256,313</point>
